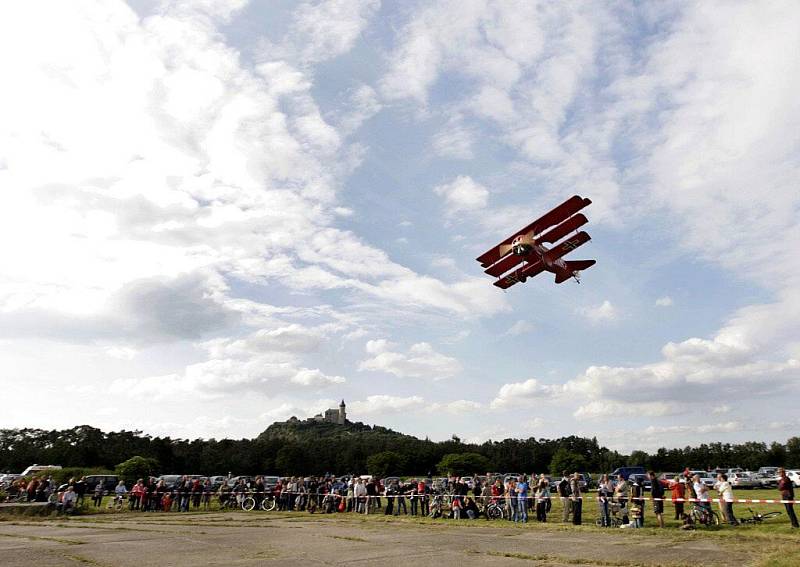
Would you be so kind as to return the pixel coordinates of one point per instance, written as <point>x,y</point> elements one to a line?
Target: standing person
<point>701,492</point>
<point>637,502</point>
<point>522,499</point>
<point>80,491</point>
<point>621,491</point>
<point>97,499</point>
<point>563,494</point>
<point>542,498</point>
<point>577,499</point>
<point>678,489</point>
<point>726,498</point>
<point>604,494</point>
<point>657,497</point>
<point>511,499</point>
<point>787,493</point>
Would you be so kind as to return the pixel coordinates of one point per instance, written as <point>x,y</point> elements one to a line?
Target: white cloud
<point>665,301</point>
<point>456,407</point>
<point>421,361</point>
<point>524,394</point>
<point>455,140</point>
<point>382,404</point>
<point>323,30</point>
<point>724,408</point>
<point>463,194</point>
<point>611,409</point>
<point>600,313</point>
<point>521,327</point>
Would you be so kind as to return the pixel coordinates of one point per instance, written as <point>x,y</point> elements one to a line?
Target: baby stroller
<point>617,511</point>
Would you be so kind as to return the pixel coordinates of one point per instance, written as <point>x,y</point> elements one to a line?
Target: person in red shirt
<point>678,488</point>
<point>786,489</point>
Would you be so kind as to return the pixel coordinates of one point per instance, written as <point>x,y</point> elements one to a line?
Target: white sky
<point>219,214</point>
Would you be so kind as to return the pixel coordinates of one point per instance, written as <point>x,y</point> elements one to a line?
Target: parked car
<point>170,480</point>
<point>744,480</point>
<point>270,481</point>
<point>668,476</point>
<point>109,482</point>
<point>794,476</point>
<point>234,480</point>
<point>626,472</point>
<point>642,479</point>
<point>217,481</point>
<point>768,477</point>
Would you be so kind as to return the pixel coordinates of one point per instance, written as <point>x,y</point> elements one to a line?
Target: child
<point>456,509</point>
<point>636,516</point>
<point>166,501</point>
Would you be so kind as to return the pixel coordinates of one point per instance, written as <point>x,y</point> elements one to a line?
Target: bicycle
<point>705,516</point>
<point>756,518</point>
<point>495,510</point>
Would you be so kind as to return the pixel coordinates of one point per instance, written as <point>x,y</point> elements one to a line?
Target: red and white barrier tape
<point>498,498</point>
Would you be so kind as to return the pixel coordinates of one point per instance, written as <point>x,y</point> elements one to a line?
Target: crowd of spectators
<point>620,501</point>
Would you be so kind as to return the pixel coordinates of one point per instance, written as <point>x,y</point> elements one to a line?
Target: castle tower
<point>342,414</point>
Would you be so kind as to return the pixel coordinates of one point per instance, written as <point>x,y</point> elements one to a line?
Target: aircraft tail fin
<point>572,267</point>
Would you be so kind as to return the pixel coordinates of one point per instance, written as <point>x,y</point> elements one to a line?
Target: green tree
<point>462,464</point>
<point>566,460</point>
<point>793,452</point>
<point>385,463</point>
<point>135,468</point>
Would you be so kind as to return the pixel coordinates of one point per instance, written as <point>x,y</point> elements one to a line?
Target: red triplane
<point>526,246</point>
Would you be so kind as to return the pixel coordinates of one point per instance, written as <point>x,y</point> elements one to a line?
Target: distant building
<point>332,415</point>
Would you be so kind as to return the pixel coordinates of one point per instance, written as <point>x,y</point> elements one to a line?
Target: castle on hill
<point>332,415</point>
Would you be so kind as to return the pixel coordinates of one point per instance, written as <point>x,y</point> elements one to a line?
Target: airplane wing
<point>520,275</point>
<point>499,268</point>
<point>553,235</point>
<point>557,233</point>
<point>567,246</point>
<point>555,216</point>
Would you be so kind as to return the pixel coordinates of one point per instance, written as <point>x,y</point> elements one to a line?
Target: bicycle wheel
<point>713,519</point>
<point>248,503</point>
<point>769,515</point>
<point>268,504</point>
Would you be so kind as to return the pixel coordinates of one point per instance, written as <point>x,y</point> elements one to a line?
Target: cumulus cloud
<point>524,394</point>
<point>600,313</point>
<point>521,327</point>
<point>420,361</point>
<point>463,194</point>
<point>381,404</point>
<point>665,301</point>
<point>607,409</point>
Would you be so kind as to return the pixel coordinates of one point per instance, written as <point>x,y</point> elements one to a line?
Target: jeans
<point>791,514</point>
<point>514,511</point>
<point>605,514</point>
<point>522,514</point>
<point>729,514</point>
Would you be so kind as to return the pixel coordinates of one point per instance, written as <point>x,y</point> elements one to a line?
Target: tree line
<point>317,448</point>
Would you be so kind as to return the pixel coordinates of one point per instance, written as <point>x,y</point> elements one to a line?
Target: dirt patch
<point>140,540</point>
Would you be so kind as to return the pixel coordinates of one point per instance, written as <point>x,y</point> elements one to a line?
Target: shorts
<point>658,506</point>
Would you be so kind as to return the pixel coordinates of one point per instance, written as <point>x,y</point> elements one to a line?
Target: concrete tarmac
<point>242,538</point>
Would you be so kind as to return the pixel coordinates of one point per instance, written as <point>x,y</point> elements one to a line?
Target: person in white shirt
<point>701,490</point>
<point>360,493</point>
<point>68,499</point>
<point>726,498</point>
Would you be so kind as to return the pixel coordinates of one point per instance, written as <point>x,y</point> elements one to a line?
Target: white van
<point>37,469</point>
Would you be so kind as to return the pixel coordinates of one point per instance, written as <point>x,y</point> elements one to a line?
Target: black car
<point>109,482</point>
<point>642,479</point>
